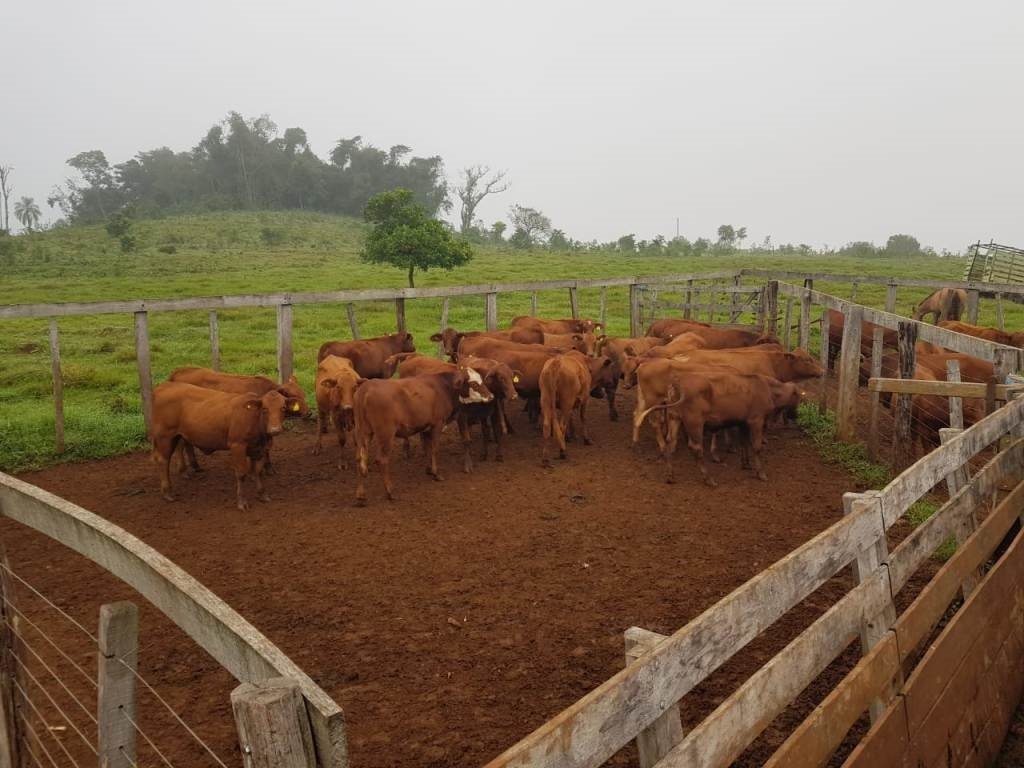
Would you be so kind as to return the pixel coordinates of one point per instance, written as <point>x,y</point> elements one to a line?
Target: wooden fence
<point>641,702</point>
<point>272,683</point>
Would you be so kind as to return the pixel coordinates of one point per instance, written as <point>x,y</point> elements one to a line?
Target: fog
<point>811,122</point>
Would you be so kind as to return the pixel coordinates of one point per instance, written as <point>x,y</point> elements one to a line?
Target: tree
<point>558,241</point>
<point>474,188</point>
<point>626,243</point>
<point>902,245</point>
<point>5,192</point>
<point>498,231</point>
<point>741,235</point>
<point>530,226</point>
<point>404,236</point>
<point>726,235</point>
<point>27,212</point>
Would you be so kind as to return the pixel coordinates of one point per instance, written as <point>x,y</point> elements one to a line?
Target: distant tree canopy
<point>244,164</point>
<point>405,236</point>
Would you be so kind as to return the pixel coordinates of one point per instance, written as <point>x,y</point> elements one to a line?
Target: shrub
<point>272,235</point>
<point>168,249</point>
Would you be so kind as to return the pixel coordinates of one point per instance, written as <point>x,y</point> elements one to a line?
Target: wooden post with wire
<point>142,362</point>
<point>214,341</point>
<point>999,312</point>
<point>657,739</point>
<point>973,298</point>
<point>874,398</point>
<point>353,324</point>
<point>734,309</point>
<point>786,330</point>
<point>603,311</point>
<point>400,315</point>
<point>805,320</point>
<point>491,311</point>
<point>823,353</point>
<point>285,356</point>
<point>10,742</point>
<point>118,660</point>
<point>903,449</point>
<point>687,308</point>
<point>634,310</point>
<point>574,304</point>
<point>444,324</point>
<point>849,373</point>
<point>771,315</point>
<point>58,385</point>
<point>273,727</point>
<point>533,304</point>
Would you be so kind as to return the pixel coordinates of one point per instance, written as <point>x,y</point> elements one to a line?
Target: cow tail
<point>638,420</point>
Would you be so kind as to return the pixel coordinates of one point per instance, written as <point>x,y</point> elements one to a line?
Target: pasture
<point>237,253</point>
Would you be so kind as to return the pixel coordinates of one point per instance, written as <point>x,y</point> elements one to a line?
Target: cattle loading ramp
<point>994,263</point>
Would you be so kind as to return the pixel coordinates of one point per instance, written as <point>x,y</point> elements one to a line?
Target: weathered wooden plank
<point>735,309</point>
<point>594,728</point>
<point>903,442</point>
<point>687,312</point>
<point>603,310</point>
<point>908,282</point>
<point>400,315</point>
<point>58,386</point>
<point>823,356</point>
<point>353,324</point>
<point>285,355</point>
<point>273,729</point>
<point>890,297</point>
<point>533,304</point>
<point>574,304</point>
<point>874,399</point>
<point>772,309</point>
<point>804,337</point>
<point>853,291</point>
<point>950,389</point>
<point>915,482</point>
<point>117,661</point>
<point>1006,362</point>
<point>214,340</point>
<point>849,374</point>
<point>721,737</point>
<point>886,742</point>
<point>491,311</point>
<point>973,297</point>
<point>787,330</point>
<point>818,736</point>
<point>917,621</point>
<point>143,367</point>
<point>956,404</point>
<point>10,739</point>
<point>236,645</point>
<point>656,740</point>
<point>956,480</point>
<point>634,310</point>
<point>999,312</point>
<point>444,324</point>
<point>712,301</point>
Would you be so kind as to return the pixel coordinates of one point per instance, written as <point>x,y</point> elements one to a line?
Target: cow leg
<point>613,412</point>
<point>583,420</point>
<point>547,431</point>
<point>506,425</point>
<point>486,425</point>
<point>641,406</point>
<point>467,444</point>
<point>321,430</point>
<point>384,463</point>
<point>668,447</point>
<point>695,441</point>
<point>496,433</point>
<point>431,438</point>
<point>362,469</point>
<point>563,423</point>
<point>756,432</point>
<point>257,474</point>
<point>242,465</point>
<point>342,437</point>
<point>163,451</point>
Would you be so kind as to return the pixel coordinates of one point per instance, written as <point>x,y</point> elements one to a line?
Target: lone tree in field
<point>529,226</point>
<point>404,236</point>
<point>5,193</point>
<point>27,212</point>
<point>474,188</point>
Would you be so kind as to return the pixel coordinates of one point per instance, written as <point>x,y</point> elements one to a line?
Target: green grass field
<point>286,251</point>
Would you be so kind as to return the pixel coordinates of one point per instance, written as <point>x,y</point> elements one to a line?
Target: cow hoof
<point>317,451</point>
<point>546,463</point>
<point>762,476</point>
<point>499,459</point>
<point>360,501</point>
<point>613,416</point>
<point>710,483</point>
<point>438,477</point>
<point>587,441</point>
<point>670,480</point>
<point>563,455</point>
<point>170,497</point>
<point>243,506</point>
<point>269,470</point>
<point>264,498</point>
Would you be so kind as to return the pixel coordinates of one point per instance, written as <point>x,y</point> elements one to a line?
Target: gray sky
<point>819,121</point>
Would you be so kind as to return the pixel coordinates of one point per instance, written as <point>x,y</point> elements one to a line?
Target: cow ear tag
<point>515,379</point>
<point>295,408</point>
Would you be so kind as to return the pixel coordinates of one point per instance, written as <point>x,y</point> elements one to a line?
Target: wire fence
<point>57,685</point>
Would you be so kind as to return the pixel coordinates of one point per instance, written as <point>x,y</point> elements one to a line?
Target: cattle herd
<point>720,386</point>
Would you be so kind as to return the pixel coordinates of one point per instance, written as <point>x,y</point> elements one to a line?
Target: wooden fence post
<point>823,356</point>
<point>772,310</point>
<point>972,306</point>
<point>400,315</point>
<point>787,320</point>
<point>999,311</point>
<point>849,373</point>
<point>809,283</point>
<point>574,306</point>
<point>273,728</point>
<point>602,314</point>
<point>968,521</point>
<point>853,292</point>
<point>1005,364</point>
<point>142,362</point>
<point>903,449</point>
<point>890,298</point>
<point>874,398</point>
<point>533,304</point>
<point>956,404</point>
<point>10,739</point>
<point>58,386</point>
<point>712,289</point>
<point>444,324</point>
<point>634,310</point>
<point>491,311</point>
<point>214,341</point>
<point>873,628</point>
<point>687,308</point>
<point>117,661</point>
<point>656,740</point>
<point>350,310</point>
<point>285,358</point>
<point>804,337</point>
<point>734,311</point>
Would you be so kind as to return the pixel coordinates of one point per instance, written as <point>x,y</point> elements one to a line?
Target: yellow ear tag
<point>296,408</point>
<point>515,379</point>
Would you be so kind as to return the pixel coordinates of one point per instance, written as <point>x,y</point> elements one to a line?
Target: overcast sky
<point>818,121</point>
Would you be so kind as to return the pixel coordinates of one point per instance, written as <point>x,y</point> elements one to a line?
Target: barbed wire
<point>50,603</point>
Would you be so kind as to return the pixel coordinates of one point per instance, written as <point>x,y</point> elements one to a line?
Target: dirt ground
<point>452,622</point>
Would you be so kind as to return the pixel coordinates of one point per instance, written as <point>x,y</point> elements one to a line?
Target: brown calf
<point>943,304</point>
<point>450,338</point>
<point>216,421</point>
<point>368,355</point>
<point>336,383</point>
<point>578,325</point>
<point>983,332</point>
<point>566,383</point>
<point>390,408</point>
<point>581,342</point>
<point>671,327</point>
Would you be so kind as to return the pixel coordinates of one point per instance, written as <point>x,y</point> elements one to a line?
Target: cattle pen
<point>925,657</point>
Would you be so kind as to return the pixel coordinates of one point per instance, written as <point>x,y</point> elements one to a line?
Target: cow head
<point>802,366</point>
<point>766,338</point>
<point>604,376</point>
<point>449,339</point>
<point>470,387</point>
<point>341,392</point>
<point>271,409</point>
<point>501,381</point>
<point>1017,339</point>
<point>630,362</point>
<point>405,342</point>
<point>291,389</point>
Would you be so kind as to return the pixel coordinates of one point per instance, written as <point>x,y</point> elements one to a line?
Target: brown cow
<point>216,421</point>
<point>336,383</point>
<point>930,413</point>
<point>1012,339</point>
<point>729,338</point>
<point>715,400</point>
<point>570,325</point>
<point>390,408</point>
<point>943,304</point>
<point>450,338</point>
<point>836,324</point>
<point>581,342</point>
<point>368,355</point>
<point>615,346</point>
<point>671,327</point>
<point>566,384</point>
